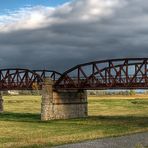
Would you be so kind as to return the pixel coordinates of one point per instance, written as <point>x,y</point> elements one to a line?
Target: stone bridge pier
<point>1,104</point>
<point>62,104</point>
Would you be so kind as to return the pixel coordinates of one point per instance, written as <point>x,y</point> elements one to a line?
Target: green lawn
<point>20,125</point>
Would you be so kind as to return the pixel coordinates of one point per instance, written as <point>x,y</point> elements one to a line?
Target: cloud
<point>76,32</point>
<point>25,18</point>
<point>41,16</point>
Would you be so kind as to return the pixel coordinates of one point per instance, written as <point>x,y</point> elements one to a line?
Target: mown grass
<point>20,124</point>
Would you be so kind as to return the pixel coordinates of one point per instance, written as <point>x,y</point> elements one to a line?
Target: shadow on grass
<point>19,117</point>
<point>119,118</point>
<point>32,117</point>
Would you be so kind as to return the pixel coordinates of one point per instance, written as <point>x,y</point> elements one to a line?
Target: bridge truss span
<point>54,75</point>
<point>127,73</point>
<point>25,79</point>
<point>19,79</point>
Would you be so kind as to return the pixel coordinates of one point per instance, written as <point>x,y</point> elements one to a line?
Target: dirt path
<point>139,140</point>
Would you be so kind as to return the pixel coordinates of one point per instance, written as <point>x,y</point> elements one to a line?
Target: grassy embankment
<point>20,125</point>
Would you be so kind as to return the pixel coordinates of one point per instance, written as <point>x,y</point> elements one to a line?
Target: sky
<point>58,34</point>
<point>16,4</point>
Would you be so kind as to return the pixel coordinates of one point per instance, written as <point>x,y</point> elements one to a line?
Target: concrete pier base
<point>63,104</point>
<point>1,104</point>
<point>69,104</point>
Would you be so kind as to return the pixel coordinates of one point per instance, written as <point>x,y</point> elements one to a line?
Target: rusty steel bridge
<point>127,73</point>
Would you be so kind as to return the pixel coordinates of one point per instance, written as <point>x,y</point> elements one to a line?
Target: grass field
<point>20,124</point>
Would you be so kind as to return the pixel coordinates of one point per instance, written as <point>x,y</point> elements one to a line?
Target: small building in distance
<point>13,92</point>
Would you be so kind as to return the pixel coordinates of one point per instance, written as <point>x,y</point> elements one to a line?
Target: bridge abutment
<point>62,104</point>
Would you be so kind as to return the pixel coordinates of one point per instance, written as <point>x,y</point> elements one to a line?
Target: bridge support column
<point>62,104</point>
<point>47,99</point>
<point>1,104</point>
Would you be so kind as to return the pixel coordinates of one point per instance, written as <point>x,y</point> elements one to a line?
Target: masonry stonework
<point>1,104</point>
<point>47,98</point>
<point>62,104</point>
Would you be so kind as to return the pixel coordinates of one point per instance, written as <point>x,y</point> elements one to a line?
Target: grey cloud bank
<point>77,32</point>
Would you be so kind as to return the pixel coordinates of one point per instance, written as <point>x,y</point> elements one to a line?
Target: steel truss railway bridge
<point>68,88</point>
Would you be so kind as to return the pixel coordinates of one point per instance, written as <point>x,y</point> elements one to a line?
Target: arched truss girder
<point>127,73</point>
<point>19,79</point>
<point>54,75</point>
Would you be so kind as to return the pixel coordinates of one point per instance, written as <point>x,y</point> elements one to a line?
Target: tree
<point>132,92</point>
<point>35,87</point>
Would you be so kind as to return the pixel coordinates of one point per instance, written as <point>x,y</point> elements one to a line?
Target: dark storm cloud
<point>77,33</point>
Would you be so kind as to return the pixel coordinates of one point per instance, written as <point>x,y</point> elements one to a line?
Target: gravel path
<point>139,140</point>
